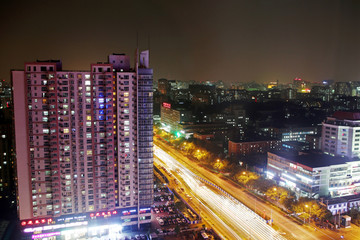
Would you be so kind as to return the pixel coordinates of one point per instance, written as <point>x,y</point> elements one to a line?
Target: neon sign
<point>166,105</point>
<point>45,235</point>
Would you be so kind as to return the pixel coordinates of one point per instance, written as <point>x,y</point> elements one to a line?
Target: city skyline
<point>240,41</point>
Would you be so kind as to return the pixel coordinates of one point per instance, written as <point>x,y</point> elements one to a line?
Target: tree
<point>245,176</point>
<point>279,194</point>
<point>355,215</point>
<point>261,184</point>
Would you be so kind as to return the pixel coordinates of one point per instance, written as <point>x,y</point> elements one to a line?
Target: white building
<point>315,175</point>
<point>341,135</point>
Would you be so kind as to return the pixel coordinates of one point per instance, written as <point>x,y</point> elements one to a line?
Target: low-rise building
<point>249,147</point>
<point>289,134</point>
<point>293,146</point>
<point>315,175</point>
<point>342,205</point>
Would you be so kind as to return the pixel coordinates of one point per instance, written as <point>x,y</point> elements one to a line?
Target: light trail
<point>236,214</point>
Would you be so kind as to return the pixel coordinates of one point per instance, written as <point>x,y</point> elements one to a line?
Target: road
<point>292,229</point>
<point>236,216</point>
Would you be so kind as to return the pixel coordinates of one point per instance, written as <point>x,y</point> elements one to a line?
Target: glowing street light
<point>310,212</point>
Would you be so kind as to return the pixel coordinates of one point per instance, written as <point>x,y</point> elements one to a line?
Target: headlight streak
<point>235,213</point>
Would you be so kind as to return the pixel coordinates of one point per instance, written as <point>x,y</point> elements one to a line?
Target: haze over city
<point>232,41</point>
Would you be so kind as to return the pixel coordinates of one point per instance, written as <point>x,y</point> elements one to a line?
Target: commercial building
<point>341,134</point>
<point>84,142</point>
<point>172,118</point>
<point>315,175</point>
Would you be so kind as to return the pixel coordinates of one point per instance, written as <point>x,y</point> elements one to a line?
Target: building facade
<point>315,175</point>
<point>172,118</point>
<point>84,139</point>
<point>252,147</point>
<point>289,134</point>
<point>341,135</point>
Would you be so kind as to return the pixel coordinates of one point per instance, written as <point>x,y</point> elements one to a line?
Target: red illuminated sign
<point>166,105</point>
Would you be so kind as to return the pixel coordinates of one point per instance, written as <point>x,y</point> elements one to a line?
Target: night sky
<point>233,41</point>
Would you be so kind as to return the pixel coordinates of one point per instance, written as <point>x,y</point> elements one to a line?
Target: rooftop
<point>349,198</point>
<point>347,115</point>
<point>314,160</point>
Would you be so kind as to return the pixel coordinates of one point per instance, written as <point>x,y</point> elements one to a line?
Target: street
<point>234,215</point>
<point>291,229</point>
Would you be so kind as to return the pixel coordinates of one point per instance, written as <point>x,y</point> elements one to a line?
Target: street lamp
<point>310,212</point>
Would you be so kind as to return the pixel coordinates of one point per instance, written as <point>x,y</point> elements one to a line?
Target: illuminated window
<point>87,76</point>
<point>126,94</point>
<point>89,152</point>
<point>66,130</point>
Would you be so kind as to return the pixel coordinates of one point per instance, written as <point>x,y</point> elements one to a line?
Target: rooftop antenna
<point>137,39</point>
<point>137,50</point>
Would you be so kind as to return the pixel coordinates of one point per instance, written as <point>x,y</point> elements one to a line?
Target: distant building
<point>172,117</point>
<point>322,92</point>
<point>341,134</point>
<point>343,88</point>
<point>288,93</point>
<point>5,95</point>
<point>202,94</point>
<point>315,175</point>
<point>164,86</point>
<point>296,147</point>
<point>314,141</point>
<point>252,147</point>
<point>7,163</point>
<point>289,134</point>
<point>204,136</point>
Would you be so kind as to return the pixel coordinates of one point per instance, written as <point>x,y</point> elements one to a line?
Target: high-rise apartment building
<point>84,140</point>
<point>341,135</point>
